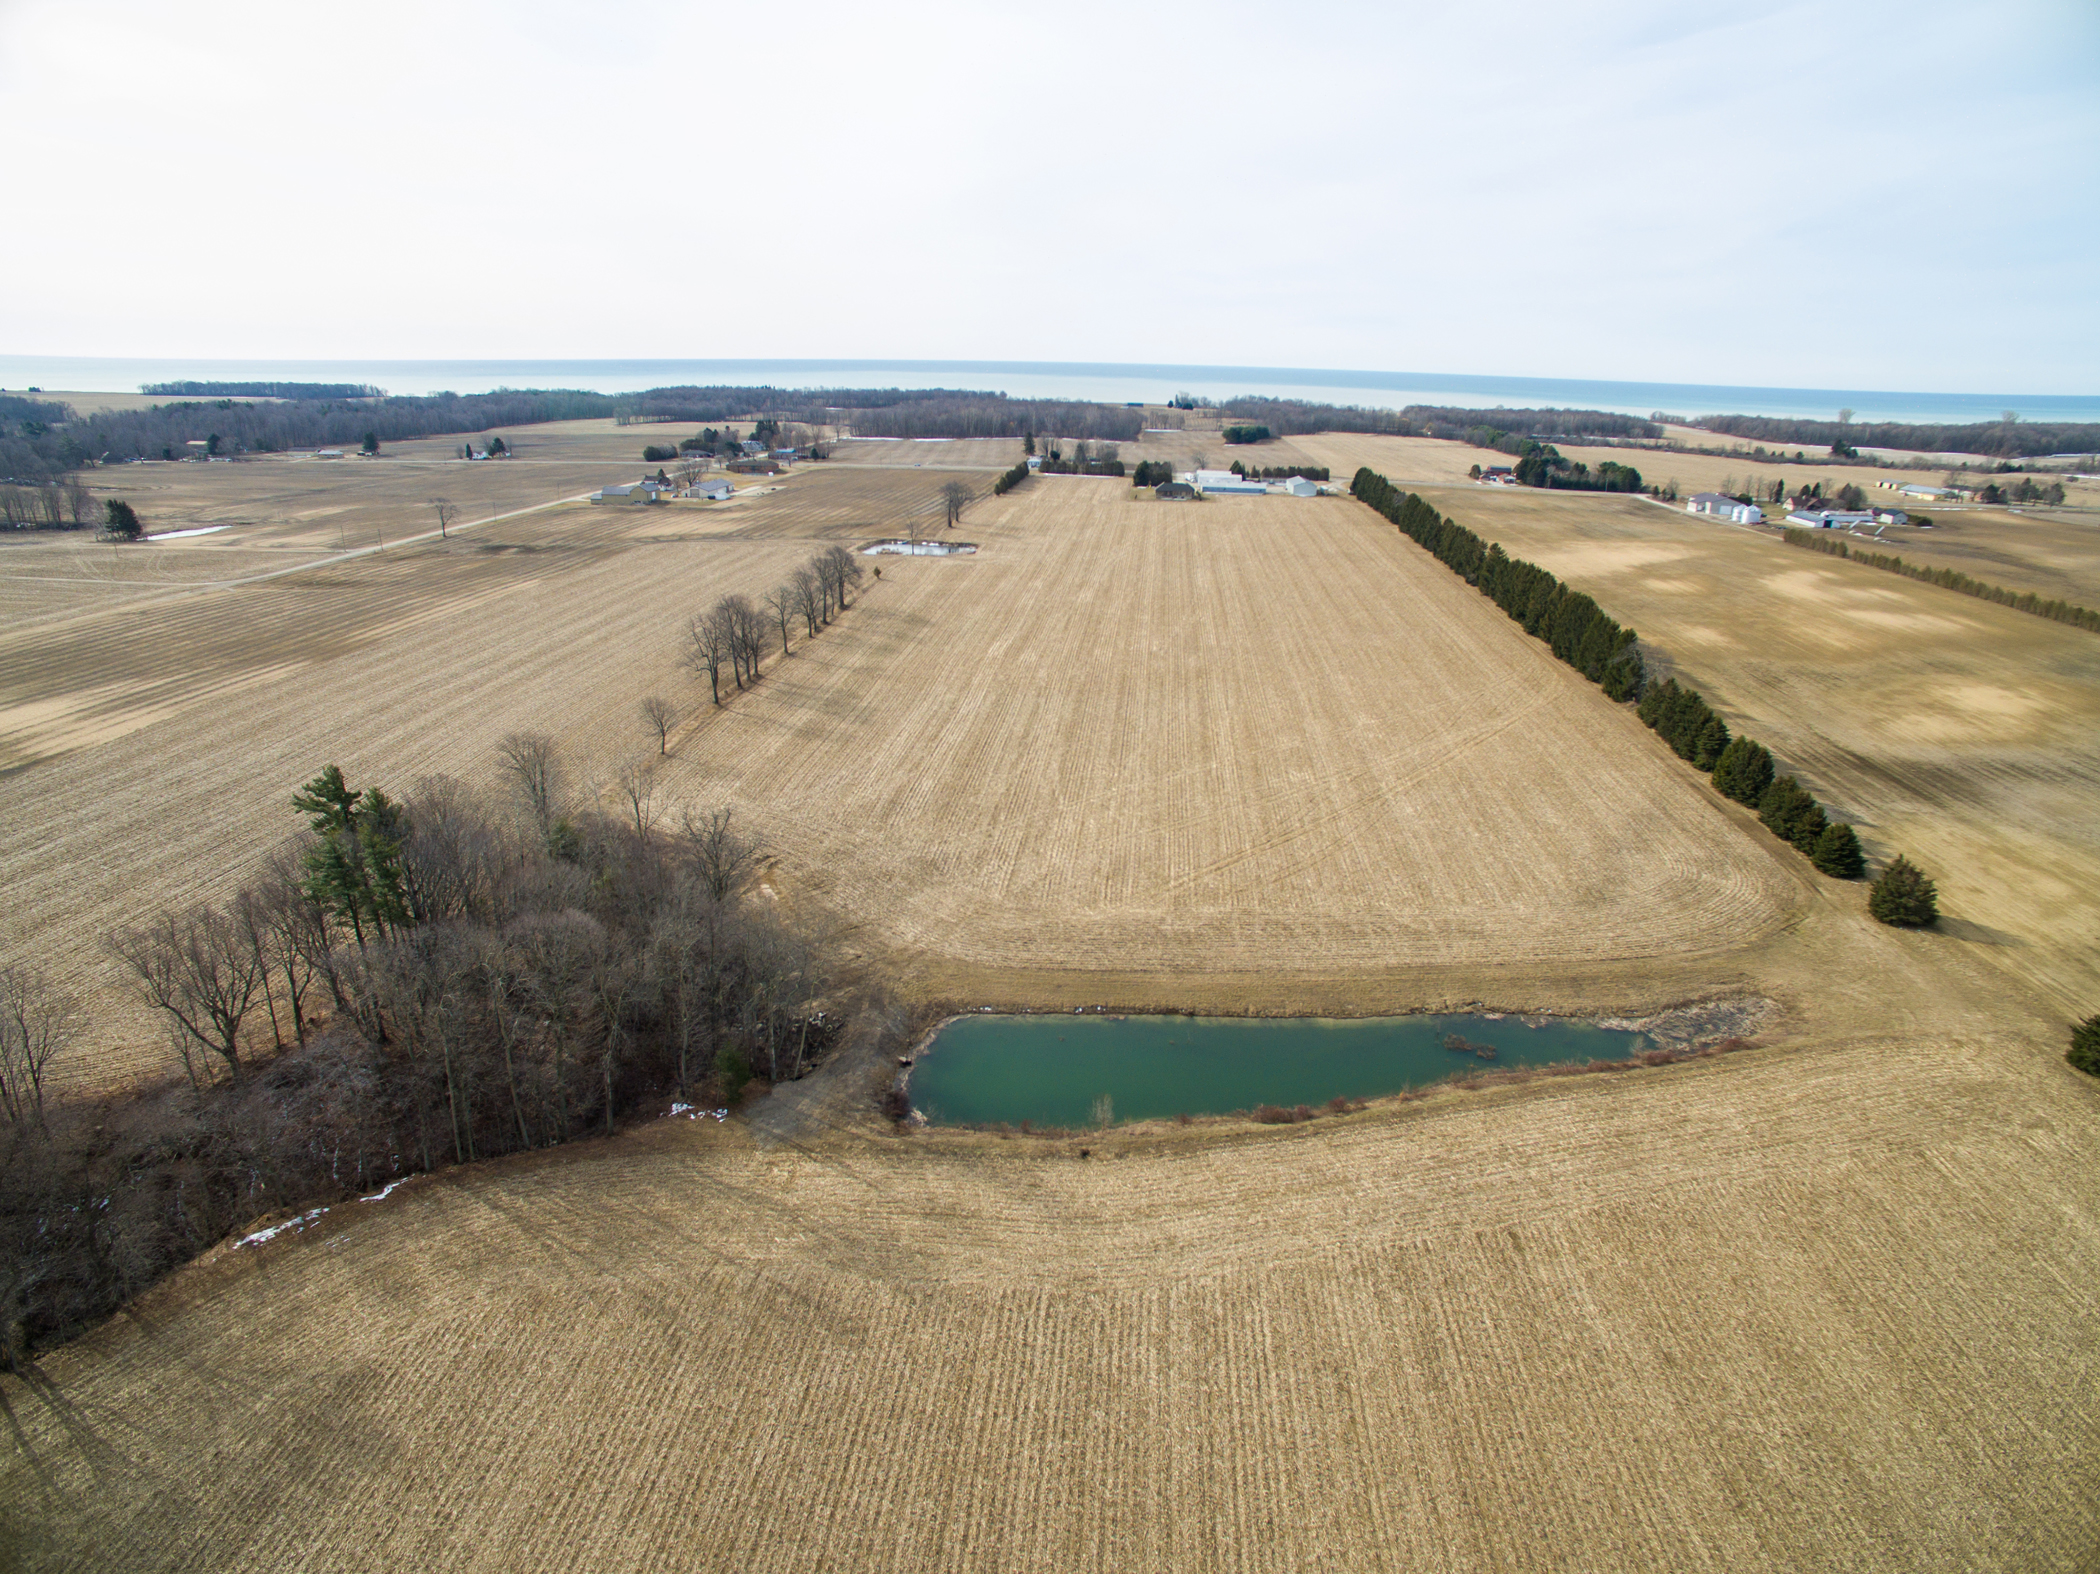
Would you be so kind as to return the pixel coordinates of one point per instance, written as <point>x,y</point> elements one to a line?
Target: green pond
<point>1054,1070</point>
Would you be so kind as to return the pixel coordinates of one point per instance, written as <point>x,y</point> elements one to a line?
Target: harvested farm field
<point>1815,1303</point>
<point>130,714</point>
<point>1226,742</point>
<point>1963,734</point>
<point>1806,1310</point>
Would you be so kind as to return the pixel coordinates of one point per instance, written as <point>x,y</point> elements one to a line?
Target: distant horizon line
<point>1340,377</point>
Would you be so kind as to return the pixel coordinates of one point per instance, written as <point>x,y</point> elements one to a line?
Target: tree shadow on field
<point>1976,934</point>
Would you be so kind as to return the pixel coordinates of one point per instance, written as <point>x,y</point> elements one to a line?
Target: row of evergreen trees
<point>1585,638</point>
<point>1011,479</point>
<point>1576,628</point>
<point>1743,769</point>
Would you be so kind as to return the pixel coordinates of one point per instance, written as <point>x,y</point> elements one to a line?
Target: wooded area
<point>409,985</point>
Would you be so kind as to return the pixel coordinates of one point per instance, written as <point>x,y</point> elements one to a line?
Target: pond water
<point>1053,1070</point>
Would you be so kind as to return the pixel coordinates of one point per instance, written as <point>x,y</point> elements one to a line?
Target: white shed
<point>1298,486</point>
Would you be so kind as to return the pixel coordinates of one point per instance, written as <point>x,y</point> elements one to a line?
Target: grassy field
<point>1818,1305</point>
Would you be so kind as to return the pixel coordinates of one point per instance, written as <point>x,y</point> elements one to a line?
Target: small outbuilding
<point>1298,486</point>
<point>715,491</point>
<point>1830,518</point>
<point>1175,491</point>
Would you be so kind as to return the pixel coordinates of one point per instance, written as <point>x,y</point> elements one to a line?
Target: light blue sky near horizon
<point>1847,195</point>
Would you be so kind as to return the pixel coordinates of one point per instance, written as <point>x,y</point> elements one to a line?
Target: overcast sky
<point>1893,195</point>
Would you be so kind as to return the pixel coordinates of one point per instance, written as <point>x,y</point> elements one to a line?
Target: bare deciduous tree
<point>534,765</point>
<point>447,511</point>
<point>720,855</point>
<point>662,716</point>
<point>955,497</point>
<point>198,969</point>
<point>811,598</point>
<point>38,1020</point>
<point>636,785</point>
<point>780,601</point>
<point>706,648</point>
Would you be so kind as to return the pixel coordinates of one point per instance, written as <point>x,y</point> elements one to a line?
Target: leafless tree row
<point>59,505</point>
<point>735,634</point>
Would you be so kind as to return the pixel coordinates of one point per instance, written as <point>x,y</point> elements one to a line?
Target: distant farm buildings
<point>715,491</point>
<point>1174,491</point>
<point>642,492</point>
<point>1721,506</point>
<point>1830,518</point>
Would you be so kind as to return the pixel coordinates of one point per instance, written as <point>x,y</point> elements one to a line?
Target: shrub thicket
<point>1567,620</point>
<point>655,454</point>
<point>1151,472</point>
<point>1904,897</point>
<point>1247,434</point>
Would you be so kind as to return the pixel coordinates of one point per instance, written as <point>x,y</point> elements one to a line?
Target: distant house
<point>755,466</point>
<point>1174,491</point>
<point>1830,518</point>
<point>328,453</point>
<point>1298,486</point>
<point>642,492</point>
<point>1721,506</point>
<point>1936,494</point>
<point>784,455</point>
<point>1035,463</point>
<point>715,491</point>
<point>752,445</point>
<point>1498,475</point>
<point>1891,516</point>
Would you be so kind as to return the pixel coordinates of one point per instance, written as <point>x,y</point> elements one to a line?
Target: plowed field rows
<point>1253,733</point>
<point>1808,1312</point>
<point>154,745</point>
<point>1962,734</point>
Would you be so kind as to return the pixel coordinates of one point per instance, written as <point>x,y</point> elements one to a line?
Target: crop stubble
<point>1680,1320</point>
<point>1218,739</point>
<point>156,742</point>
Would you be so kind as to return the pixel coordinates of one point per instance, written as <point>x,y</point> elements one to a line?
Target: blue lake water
<point>1114,382</point>
<point>1052,1070</point>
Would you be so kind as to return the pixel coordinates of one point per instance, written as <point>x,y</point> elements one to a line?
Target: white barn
<point>1721,506</point>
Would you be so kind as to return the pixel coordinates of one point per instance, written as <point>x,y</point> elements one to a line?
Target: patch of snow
<point>690,1112</point>
<point>381,1194</point>
<point>260,1237</point>
<point>176,535</point>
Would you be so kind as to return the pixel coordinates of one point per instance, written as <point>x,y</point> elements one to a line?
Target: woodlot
<point>1820,1304</point>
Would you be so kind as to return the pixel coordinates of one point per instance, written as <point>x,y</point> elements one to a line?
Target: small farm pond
<point>1055,1070</point>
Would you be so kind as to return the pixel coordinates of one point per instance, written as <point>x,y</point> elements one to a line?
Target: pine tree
<point>122,520</point>
<point>2085,1046</point>
<point>1806,825</point>
<point>1837,854</point>
<point>1711,739</point>
<point>1743,771</point>
<point>1903,896</point>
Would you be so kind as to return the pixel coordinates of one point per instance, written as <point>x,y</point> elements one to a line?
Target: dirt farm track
<point>1825,1303</point>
